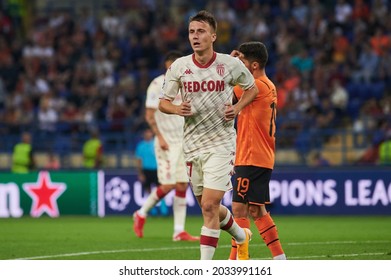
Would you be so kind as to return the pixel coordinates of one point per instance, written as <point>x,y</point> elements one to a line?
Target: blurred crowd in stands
<point>73,70</point>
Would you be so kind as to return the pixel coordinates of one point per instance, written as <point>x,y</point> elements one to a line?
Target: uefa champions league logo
<point>117,194</point>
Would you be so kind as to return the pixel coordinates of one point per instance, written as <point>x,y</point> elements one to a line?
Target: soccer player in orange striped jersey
<point>255,151</point>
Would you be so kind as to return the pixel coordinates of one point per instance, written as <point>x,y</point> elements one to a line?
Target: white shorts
<point>211,171</point>
<point>171,165</point>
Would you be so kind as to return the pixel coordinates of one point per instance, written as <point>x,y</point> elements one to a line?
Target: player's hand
<point>162,143</point>
<point>184,109</point>
<point>235,53</point>
<point>229,112</point>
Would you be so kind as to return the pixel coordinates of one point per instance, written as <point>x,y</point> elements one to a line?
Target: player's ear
<point>214,37</point>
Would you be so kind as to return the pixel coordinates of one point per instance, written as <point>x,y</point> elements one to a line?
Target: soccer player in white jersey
<point>205,80</point>
<point>168,130</point>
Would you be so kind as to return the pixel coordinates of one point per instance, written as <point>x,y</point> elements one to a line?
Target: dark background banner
<point>293,191</point>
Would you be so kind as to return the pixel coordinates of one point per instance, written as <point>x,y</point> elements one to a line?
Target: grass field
<point>112,238</point>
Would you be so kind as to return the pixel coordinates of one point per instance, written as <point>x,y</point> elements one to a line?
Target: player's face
<point>201,36</point>
<point>148,134</point>
<point>246,62</point>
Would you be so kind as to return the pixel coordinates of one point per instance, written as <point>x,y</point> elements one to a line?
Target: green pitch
<point>112,238</point>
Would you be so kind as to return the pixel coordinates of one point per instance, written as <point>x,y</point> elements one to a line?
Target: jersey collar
<point>205,65</point>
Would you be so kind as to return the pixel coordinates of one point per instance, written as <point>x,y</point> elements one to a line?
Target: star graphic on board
<point>44,194</point>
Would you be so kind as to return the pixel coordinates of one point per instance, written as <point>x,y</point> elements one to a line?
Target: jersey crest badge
<point>220,69</point>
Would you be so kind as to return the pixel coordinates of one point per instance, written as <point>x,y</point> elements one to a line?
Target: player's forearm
<point>247,97</point>
<point>153,125</point>
<point>167,107</point>
<point>150,118</point>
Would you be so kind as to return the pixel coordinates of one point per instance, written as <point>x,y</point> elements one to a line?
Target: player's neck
<point>259,73</point>
<point>203,57</point>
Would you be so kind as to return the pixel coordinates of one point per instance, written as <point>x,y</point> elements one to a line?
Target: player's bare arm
<point>231,111</point>
<point>248,96</point>
<point>151,120</point>
<point>183,109</point>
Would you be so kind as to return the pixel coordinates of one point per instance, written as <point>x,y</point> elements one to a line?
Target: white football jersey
<point>170,126</point>
<point>209,88</point>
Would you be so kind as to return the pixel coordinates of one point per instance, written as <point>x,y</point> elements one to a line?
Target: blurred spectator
<point>93,151</point>
<point>318,160</point>
<point>116,115</point>
<point>371,154</point>
<point>5,50</point>
<point>6,26</point>
<point>360,10</point>
<point>283,38</point>
<point>168,32</point>
<point>317,21</point>
<point>23,155</point>
<point>146,161</point>
<point>332,71</point>
<point>102,64</point>
<point>9,73</point>
<point>293,120</point>
<point>385,104</point>
<point>87,21</point>
<point>341,46</point>
<point>339,98</point>
<point>105,82</point>
<point>370,112</point>
<point>319,75</point>
<point>343,13</point>
<point>380,41</point>
<point>303,62</point>
<point>379,10</point>
<point>27,111</point>
<point>305,96</point>
<point>366,66</point>
<point>385,151</point>
<point>70,118</point>
<point>111,23</point>
<point>300,12</point>
<point>384,71</point>
<point>326,117</point>
<point>47,117</point>
<point>53,162</point>
<point>284,9</point>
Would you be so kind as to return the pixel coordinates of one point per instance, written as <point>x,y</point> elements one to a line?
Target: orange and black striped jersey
<point>255,144</point>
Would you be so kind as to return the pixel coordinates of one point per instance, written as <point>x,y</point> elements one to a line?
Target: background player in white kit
<point>206,80</point>
<point>172,174</point>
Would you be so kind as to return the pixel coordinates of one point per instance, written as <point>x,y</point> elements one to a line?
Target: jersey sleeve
<point>153,94</point>
<point>242,76</point>
<point>171,83</point>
